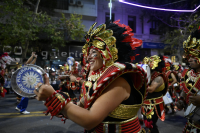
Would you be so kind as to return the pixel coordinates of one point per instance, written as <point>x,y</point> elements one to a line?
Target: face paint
<point>95,60</point>
<point>94,56</point>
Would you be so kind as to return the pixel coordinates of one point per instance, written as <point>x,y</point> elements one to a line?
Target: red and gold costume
<point>190,81</point>
<point>105,39</point>
<point>171,89</point>
<point>124,117</point>
<point>153,106</point>
<point>178,71</point>
<point>170,80</point>
<point>2,89</point>
<point>68,86</point>
<point>4,60</point>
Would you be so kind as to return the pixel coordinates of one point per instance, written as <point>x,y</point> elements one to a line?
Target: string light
<point>155,8</point>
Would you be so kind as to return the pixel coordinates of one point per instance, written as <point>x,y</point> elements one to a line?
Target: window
<point>154,24</point>
<point>132,23</point>
<point>108,16</point>
<point>62,4</point>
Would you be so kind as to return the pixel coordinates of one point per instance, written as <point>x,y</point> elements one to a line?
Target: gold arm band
<point>60,97</point>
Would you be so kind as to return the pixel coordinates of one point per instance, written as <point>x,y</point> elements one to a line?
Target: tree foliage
<point>185,25</point>
<point>21,25</point>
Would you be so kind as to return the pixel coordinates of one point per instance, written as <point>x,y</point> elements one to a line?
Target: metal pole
<point>110,5</point>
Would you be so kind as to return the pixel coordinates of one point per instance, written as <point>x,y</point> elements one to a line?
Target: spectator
<point>21,107</point>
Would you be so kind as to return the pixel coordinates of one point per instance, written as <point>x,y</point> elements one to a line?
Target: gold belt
<point>193,125</point>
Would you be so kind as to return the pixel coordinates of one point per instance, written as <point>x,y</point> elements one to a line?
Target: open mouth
<point>91,62</point>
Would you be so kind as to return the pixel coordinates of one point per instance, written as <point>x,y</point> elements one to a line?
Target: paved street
<point>36,122</point>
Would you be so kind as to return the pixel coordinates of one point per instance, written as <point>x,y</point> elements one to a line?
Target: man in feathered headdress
<point>153,106</point>
<point>190,82</point>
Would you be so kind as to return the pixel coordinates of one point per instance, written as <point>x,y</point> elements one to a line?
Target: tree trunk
<point>36,7</point>
<point>24,52</point>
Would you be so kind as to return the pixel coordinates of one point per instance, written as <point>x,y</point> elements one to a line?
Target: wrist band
<point>78,79</point>
<point>56,102</point>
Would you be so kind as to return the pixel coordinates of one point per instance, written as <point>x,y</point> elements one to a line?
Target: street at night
<point>36,122</point>
<point>95,63</point>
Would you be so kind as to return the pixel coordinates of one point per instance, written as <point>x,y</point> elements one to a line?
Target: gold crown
<point>146,60</point>
<point>154,60</point>
<point>176,67</point>
<point>102,40</point>
<point>192,47</point>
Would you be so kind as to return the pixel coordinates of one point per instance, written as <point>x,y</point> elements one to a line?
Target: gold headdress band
<point>176,67</point>
<point>146,60</point>
<point>154,60</point>
<point>192,48</point>
<point>102,40</point>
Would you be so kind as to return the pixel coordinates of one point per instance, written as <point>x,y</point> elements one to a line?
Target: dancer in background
<point>153,106</point>
<point>190,82</point>
<point>172,79</point>
<point>21,107</point>
<point>4,60</point>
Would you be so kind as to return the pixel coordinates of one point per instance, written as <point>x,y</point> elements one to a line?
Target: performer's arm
<point>156,83</point>
<point>181,101</point>
<point>174,79</point>
<point>62,77</point>
<point>34,59</point>
<point>111,98</point>
<point>30,59</point>
<point>81,81</point>
<point>75,78</point>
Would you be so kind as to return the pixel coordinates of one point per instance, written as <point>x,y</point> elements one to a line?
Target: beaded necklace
<point>96,74</point>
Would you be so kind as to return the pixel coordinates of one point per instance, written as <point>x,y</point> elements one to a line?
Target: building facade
<point>98,11</point>
<point>133,16</point>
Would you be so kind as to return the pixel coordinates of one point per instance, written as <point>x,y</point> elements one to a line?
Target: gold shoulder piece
<point>120,66</point>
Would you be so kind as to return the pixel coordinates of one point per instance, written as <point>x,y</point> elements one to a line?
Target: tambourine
<point>24,80</point>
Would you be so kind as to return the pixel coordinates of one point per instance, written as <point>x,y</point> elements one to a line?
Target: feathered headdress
<point>192,45</point>
<point>114,41</point>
